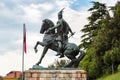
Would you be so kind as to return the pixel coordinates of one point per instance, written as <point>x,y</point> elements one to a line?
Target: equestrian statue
<point>56,38</point>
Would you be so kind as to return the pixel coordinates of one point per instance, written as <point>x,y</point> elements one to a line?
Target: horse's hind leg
<point>71,64</point>
<point>81,56</point>
<point>72,58</point>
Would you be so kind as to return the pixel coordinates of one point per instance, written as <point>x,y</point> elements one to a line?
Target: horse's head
<point>46,25</point>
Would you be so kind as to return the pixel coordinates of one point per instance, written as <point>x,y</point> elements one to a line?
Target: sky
<point>31,12</point>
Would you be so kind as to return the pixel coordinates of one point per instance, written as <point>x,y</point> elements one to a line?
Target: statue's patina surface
<point>56,38</point>
<point>63,30</point>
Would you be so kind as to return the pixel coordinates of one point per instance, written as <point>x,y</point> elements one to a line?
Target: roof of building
<point>13,74</point>
<point>0,76</point>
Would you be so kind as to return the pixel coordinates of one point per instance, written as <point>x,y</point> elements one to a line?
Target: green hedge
<point>10,79</point>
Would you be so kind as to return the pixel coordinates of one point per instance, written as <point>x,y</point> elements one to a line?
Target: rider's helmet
<point>60,14</point>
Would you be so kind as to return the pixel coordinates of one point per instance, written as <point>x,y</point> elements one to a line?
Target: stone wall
<point>55,75</point>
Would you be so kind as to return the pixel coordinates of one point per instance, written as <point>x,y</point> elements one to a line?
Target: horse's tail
<point>80,57</point>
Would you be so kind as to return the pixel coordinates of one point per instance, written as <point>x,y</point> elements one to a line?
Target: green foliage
<point>58,64</point>
<point>98,11</point>
<point>10,79</point>
<point>115,76</point>
<point>101,40</point>
<point>118,68</point>
<point>116,10</point>
<point>88,63</point>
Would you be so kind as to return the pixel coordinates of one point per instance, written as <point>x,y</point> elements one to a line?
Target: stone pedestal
<point>55,75</point>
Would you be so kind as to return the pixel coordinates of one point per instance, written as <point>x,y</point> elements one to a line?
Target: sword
<point>71,35</point>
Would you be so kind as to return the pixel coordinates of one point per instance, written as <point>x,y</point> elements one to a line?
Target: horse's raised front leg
<point>43,54</point>
<point>38,43</point>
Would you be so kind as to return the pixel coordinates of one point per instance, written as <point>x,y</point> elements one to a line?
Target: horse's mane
<point>48,21</point>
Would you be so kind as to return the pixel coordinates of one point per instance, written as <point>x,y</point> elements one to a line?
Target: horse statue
<point>70,50</point>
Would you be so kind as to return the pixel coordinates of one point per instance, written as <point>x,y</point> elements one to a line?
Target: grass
<point>115,76</point>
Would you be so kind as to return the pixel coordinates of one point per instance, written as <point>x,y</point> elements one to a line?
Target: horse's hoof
<point>37,64</point>
<point>36,50</point>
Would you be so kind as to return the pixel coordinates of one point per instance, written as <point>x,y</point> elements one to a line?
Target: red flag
<point>24,39</point>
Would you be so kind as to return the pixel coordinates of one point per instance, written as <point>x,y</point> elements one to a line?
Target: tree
<point>58,64</point>
<point>90,40</point>
<point>101,41</point>
<point>88,64</point>
<point>111,57</point>
<point>98,12</point>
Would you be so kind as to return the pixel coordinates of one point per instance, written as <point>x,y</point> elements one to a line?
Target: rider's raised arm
<point>69,29</point>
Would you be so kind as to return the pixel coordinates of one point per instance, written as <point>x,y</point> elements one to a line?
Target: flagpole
<point>23,54</point>
<point>23,65</point>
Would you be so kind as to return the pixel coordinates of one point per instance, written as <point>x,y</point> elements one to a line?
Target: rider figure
<point>63,30</point>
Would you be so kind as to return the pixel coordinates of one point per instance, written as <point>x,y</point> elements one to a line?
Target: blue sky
<point>31,12</point>
<point>80,3</point>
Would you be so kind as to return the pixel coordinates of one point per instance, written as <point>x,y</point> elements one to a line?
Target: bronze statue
<point>58,41</point>
<point>63,30</point>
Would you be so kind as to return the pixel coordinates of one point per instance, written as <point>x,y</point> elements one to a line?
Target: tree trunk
<point>112,68</point>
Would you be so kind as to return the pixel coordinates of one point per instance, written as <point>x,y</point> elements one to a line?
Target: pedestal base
<point>55,75</point>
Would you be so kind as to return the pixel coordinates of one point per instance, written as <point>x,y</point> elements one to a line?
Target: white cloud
<point>5,11</point>
<point>35,12</point>
<point>110,2</point>
<point>45,7</point>
<point>62,4</point>
<point>10,61</point>
<point>32,14</point>
<point>2,5</point>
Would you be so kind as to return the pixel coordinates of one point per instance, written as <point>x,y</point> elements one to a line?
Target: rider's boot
<point>59,48</point>
<point>58,52</point>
